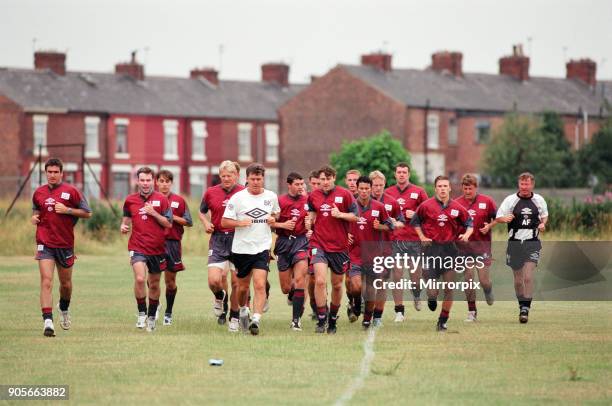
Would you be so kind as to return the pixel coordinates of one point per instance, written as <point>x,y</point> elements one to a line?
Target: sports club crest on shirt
<point>267,202</point>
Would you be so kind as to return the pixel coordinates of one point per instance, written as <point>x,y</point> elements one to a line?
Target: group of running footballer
<point>326,230</point>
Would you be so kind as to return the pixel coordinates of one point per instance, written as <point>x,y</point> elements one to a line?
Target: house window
<point>244,142</point>
<point>121,138</point>
<point>198,142</point>
<point>40,134</point>
<point>92,130</point>
<point>197,181</point>
<point>271,181</point>
<point>483,132</point>
<point>92,188</point>
<point>433,131</point>
<point>171,140</point>
<point>272,142</point>
<point>452,132</point>
<point>121,184</point>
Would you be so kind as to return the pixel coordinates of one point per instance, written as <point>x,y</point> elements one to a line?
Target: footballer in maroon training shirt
<point>330,208</point>
<point>149,214</point>
<point>439,223</point>
<point>56,207</point>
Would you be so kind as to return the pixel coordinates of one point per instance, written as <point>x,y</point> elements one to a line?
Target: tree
<point>595,158</point>
<point>534,144</point>
<point>378,152</point>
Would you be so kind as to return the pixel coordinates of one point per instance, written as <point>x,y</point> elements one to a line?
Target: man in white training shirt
<point>250,212</point>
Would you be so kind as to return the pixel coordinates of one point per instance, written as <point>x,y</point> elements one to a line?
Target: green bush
<point>103,225</point>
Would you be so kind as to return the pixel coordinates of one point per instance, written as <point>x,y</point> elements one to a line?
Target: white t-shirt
<point>258,236</point>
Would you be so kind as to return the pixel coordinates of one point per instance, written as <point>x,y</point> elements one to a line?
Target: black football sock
<point>298,303</point>
<point>153,303</point>
<point>170,295</point>
<point>63,304</point>
<point>141,302</point>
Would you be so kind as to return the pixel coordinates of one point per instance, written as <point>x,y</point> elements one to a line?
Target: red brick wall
<point>11,128</point>
<point>334,108</point>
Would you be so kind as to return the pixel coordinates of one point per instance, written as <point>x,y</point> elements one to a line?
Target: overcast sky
<point>311,36</point>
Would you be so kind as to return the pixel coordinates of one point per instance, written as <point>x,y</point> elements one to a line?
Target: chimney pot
<point>209,74</point>
<point>582,69</point>
<point>380,61</point>
<point>275,73</point>
<point>55,61</point>
<point>448,61</point>
<point>515,65</point>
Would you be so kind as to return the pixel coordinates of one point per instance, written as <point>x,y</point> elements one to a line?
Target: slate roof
<point>485,92</point>
<point>43,90</point>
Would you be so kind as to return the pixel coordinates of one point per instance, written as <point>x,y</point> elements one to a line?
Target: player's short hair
<point>327,171</point>
<point>164,173</point>
<point>439,178</point>
<point>402,165</point>
<point>54,162</point>
<point>229,166</point>
<point>255,169</point>
<point>526,175</point>
<point>377,175</point>
<point>364,179</point>
<point>353,172</point>
<point>146,170</point>
<point>293,176</point>
<point>314,174</point>
<point>469,179</point>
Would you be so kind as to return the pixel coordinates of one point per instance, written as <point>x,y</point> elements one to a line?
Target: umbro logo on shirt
<point>442,219</point>
<point>401,201</point>
<point>526,210</point>
<point>325,208</point>
<point>295,213</point>
<point>472,212</point>
<point>256,213</point>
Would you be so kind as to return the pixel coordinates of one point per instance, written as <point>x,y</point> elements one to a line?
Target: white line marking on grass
<point>366,362</point>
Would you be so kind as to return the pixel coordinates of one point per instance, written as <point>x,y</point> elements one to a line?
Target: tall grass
<point>99,235</point>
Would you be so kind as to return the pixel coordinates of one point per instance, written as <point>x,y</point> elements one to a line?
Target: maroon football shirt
<point>148,236</point>
<point>179,209</point>
<point>331,234</point>
<point>57,230</point>
<point>441,223</point>
<point>482,210</point>
<point>393,210</point>
<point>296,208</point>
<point>215,199</point>
<point>408,199</point>
<point>364,233</point>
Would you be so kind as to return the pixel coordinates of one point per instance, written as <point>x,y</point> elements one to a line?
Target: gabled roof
<point>43,90</point>
<point>485,92</point>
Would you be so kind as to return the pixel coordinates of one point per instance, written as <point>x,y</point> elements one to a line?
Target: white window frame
<point>273,186</point>
<point>176,174</point>
<point>199,134</point>
<point>453,132</point>
<point>42,120</point>
<point>125,122</point>
<point>199,173</point>
<point>92,151</point>
<point>97,170</point>
<point>433,131</point>
<point>272,142</point>
<point>245,128</point>
<point>171,129</point>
